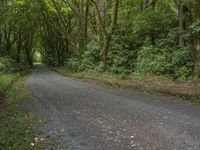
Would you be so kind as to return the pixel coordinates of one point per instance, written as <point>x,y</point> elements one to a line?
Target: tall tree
<point>107,33</point>
<point>196,15</point>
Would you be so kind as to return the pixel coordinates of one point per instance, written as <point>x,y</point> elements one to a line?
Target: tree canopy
<point>160,37</point>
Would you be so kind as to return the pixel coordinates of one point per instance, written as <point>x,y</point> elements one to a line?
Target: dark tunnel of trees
<point>159,37</point>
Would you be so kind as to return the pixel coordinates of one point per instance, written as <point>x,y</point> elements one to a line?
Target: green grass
<point>16,132</point>
<point>16,124</point>
<point>5,80</point>
<point>17,92</point>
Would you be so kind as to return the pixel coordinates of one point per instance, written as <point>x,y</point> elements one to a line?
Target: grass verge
<point>16,132</point>
<point>6,80</point>
<point>188,92</point>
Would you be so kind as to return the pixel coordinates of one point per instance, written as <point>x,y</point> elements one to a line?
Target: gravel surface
<point>82,116</point>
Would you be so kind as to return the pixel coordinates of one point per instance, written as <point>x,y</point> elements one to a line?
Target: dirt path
<point>87,117</point>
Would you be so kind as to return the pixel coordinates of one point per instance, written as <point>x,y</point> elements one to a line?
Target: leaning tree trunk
<point>153,37</point>
<point>181,24</point>
<point>105,48</point>
<point>196,44</point>
<point>197,56</point>
<point>108,36</point>
<point>86,21</point>
<point>78,42</point>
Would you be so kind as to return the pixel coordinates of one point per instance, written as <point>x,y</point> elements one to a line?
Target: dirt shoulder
<point>188,92</point>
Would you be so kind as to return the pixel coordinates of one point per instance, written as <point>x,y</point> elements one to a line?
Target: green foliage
<point>89,60</point>
<point>173,62</point>
<point>159,21</point>
<point>51,61</point>
<point>169,40</point>
<point>15,128</point>
<point>153,60</point>
<point>93,51</point>
<point>145,39</point>
<point>73,64</point>
<point>121,57</point>
<point>15,132</point>
<point>5,80</point>
<point>9,65</point>
<point>195,27</point>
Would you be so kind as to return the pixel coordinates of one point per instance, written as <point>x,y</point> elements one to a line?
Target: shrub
<point>6,64</point>
<point>73,64</point>
<point>89,60</point>
<point>93,51</point>
<point>176,63</point>
<point>51,61</point>
<point>9,65</point>
<point>153,61</point>
<point>121,56</point>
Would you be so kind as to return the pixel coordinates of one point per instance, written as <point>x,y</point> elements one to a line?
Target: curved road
<point>84,116</point>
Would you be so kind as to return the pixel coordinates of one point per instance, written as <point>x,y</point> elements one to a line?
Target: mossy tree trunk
<point>107,33</point>
<point>196,44</point>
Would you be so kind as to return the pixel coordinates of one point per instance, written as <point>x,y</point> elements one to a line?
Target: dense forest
<point>139,37</point>
<point>128,65</point>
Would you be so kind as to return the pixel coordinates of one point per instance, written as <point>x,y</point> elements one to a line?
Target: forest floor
<point>86,116</point>
<point>188,92</point>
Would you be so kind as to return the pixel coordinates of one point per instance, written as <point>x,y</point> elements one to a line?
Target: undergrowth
<point>16,132</point>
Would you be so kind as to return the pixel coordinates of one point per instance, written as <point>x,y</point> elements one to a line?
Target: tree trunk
<point>153,37</point>
<point>86,21</point>
<point>181,24</point>
<point>78,42</point>
<point>196,44</point>
<point>197,56</point>
<point>105,48</point>
<point>29,59</point>
<point>107,34</point>
<point>101,9</point>
<point>141,5</point>
<point>108,37</point>
<point>98,26</point>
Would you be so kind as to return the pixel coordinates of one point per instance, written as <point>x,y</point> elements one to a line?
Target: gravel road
<point>84,116</point>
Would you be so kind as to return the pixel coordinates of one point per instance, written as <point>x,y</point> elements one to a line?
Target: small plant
<point>16,130</point>
<point>8,65</point>
<point>157,61</point>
